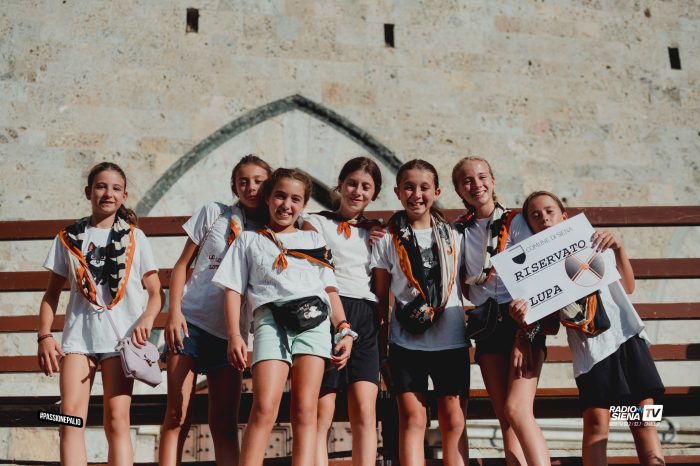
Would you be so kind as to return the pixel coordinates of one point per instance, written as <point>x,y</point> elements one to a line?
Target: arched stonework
<point>256,117</point>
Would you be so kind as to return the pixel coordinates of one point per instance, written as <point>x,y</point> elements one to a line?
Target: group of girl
<point>316,289</point>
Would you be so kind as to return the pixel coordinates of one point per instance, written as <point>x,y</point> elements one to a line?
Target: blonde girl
<point>349,235</point>
<point>510,361</point>
<point>418,262</point>
<point>195,331</point>
<point>612,367</point>
<point>286,276</point>
<point>108,245</point>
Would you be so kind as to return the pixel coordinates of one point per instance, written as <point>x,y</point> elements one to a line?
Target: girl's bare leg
<point>647,442</point>
<point>76,377</point>
<point>224,398</point>
<point>117,401</point>
<point>412,420</point>
<point>326,409</point>
<point>596,425</point>
<point>519,412</point>
<point>176,425</point>
<point>362,408</point>
<point>452,412</point>
<point>307,374</point>
<point>269,378</point>
<point>494,371</point>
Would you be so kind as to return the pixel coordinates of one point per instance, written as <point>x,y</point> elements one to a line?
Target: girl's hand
<point>375,234</point>
<point>142,331</point>
<point>341,352</point>
<point>517,310</point>
<point>237,352</point>
<point>48,362</point>
<point>175,326</point>
<point>602,240</point>
<point>521,357</point>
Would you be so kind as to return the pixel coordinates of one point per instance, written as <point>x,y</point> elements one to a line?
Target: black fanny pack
<point>483,320</point>
<point>417,316</point>
<point>300,314</point>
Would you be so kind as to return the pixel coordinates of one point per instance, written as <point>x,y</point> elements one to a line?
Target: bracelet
<point>533,333</point>
<point>234,336</point>
<point>342,324</point>
<point>44,337</point>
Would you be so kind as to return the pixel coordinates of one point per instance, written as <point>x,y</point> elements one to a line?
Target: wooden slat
<point>150,409</point>
<point>646,216</point>
<point>19,324</point>
<point>644,269</point>
<point>680,352</point>
<point>647,311</point>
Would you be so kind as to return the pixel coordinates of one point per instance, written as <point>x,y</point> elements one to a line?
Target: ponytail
<point>128,214</point>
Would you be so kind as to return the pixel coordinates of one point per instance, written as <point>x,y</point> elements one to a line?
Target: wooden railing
<point>550,402</point>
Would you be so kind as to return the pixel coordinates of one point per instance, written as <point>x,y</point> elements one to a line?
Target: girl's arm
<point>142,330</point>
<point>176,325</point>
<point>341,351</point>
<point>601,241</point>
<point>381,281</point>
<point>237,352</point>
<point>48,346</point>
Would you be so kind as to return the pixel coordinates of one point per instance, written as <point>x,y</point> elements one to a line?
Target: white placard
<point>555,267</point>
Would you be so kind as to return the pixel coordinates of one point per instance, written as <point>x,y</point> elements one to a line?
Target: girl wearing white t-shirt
<point>348,235</point>
<point>418,262</point>
<point>286,276</point>
<point>196,328</point>
<point>612,367</point>
<point>510,362</point>
<point>107,245</point>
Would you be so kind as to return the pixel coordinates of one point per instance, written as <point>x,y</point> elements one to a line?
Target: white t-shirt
<point>87,330</point>
<point>448,331</point>
<point>473,248</point>
<point>248,269</point>
<point>351,257</point>
<point>202,302</point>
<point>587,351</point>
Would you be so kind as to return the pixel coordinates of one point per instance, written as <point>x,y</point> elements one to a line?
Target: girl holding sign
<point>612,366</point>
<point>510,362</point>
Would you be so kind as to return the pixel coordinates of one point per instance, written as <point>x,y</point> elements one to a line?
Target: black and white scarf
<point>120,255</point>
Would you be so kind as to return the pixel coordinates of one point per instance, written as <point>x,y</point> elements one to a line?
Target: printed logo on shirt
<point>636,416</point>
<point>96,257</point>
<point>214,261</point>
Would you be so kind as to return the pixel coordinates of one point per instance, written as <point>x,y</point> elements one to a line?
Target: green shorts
<point>269,344</point>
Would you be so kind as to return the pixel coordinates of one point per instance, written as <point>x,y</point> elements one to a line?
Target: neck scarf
<point>321,256</point>
<point>411,262</point>
<point>586,315</point>
<point>344,224</point>
<point>495,239</point>
<point>120,256</point>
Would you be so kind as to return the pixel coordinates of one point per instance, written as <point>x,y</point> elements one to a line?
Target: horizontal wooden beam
<point>644,269</point>
<point>150,409</point>
<point>645,216</point>
<point>673,352</point>
<point>647,311</point>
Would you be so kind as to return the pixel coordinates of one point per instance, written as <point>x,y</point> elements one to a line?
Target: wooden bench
<point>550,402</point>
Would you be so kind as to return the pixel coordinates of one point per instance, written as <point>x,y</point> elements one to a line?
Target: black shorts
<point>626,377</point>
<point>363,364</point>
<point>503,338</point>
<point>448,369</point>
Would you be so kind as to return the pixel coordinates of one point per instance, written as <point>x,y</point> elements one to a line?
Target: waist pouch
<point>300,314</point>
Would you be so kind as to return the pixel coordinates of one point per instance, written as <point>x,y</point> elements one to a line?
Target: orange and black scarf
<point>495,240</point>
<point>434,298</point>
<point>120,256</point>
<point>321,256</point>
<point>345,224</point>
<point>586,315</point>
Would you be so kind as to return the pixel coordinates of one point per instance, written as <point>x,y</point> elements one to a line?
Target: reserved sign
<point>555,267</point>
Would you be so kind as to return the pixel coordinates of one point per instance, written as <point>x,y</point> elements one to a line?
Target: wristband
<point>44,337</point>
<point>344,332</point>
<point>342,324</point>
<point>533,333</point>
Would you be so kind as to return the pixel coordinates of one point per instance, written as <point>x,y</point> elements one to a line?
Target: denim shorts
<point>97,357</point>
<point>207,350</point>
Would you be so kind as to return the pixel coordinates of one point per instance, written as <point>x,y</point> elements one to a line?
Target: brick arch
<point>253,118</point>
